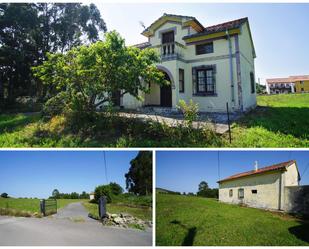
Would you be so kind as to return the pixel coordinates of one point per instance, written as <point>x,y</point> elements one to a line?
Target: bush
<point>103,190</point>
<point>189,111</point>
<point>55,105</point>
<point>4,195</point>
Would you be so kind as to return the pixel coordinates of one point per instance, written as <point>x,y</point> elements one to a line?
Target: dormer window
<point>205,48</point>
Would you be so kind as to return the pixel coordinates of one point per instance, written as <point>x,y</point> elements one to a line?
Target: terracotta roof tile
<point>290,79</point>
<point>274,167</point>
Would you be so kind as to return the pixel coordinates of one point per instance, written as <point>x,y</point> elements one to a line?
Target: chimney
<point>256,165</point>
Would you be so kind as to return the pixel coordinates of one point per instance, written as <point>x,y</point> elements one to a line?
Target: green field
<point>29,207</point>
<point>184,220</point>
<point>278,121</point>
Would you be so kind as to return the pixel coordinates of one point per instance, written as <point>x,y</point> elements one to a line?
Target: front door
<point>166,94</point>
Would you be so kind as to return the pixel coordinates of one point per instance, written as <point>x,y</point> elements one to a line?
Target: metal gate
<point>48,206</point>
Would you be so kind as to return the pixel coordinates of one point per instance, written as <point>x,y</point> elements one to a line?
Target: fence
<point>48,206</point>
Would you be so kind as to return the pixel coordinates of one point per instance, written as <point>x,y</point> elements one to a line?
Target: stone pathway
<point>217,121</point>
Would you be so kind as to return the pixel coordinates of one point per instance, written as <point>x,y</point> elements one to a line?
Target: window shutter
<point>214,71</point>
<point>194,80</point>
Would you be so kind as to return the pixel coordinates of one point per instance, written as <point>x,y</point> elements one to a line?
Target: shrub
<point>103,190</point>
<point>55,105</point>
<point>189,111</point>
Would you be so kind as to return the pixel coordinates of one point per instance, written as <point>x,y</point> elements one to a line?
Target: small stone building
<point>262,187</point>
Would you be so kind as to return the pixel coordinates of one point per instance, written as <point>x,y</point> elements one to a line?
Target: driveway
<point>70,227</point>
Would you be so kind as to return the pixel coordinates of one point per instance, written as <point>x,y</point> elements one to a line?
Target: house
<point>262,187</point>
<point>211,65</point>
<point>91,196</point>
<point>292,84</point>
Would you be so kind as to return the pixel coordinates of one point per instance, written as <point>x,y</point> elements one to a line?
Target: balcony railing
<point>171,51</point>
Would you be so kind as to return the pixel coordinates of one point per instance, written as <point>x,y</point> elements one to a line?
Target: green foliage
<point>260,89</point>
<point>29,30</point>
<point>56,193</point>
<point>103,190</point>
<point>185,220</point>
<point>116,189</point>
<point>87,76</point>
<point>4,195</point>
<point>205,191</point>
<point>139,177</point>
<point>190,111</point>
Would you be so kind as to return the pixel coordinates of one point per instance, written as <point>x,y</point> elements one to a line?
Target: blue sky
<point>184,170</point>
<point>37,173</point>
<point>280,31</point>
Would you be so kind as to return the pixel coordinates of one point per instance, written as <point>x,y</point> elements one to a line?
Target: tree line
<point>28,31</point>
<point>57,195</point>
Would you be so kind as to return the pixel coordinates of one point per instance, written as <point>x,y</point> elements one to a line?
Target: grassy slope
<point>30,205</point>
<point>184,220</point>
<point>279,121</point>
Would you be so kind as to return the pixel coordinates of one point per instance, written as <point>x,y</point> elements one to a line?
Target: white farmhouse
<point>260,188</point>
<point>211,65</point>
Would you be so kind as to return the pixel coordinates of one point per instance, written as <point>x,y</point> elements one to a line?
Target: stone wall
<point>296,199</point>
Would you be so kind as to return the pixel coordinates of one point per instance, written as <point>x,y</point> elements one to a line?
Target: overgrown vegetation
<point>278,121</point>
<point>187,221</point>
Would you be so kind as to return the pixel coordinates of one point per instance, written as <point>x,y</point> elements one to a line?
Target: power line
<point>105,167</point>
<point>307,166</point>
<point>218,166</point>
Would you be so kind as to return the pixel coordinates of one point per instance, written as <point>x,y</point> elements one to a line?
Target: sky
<point>182,171</point>
<point>280,30</point>
<point>38,173</point>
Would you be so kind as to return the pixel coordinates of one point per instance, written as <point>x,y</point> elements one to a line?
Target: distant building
<point>292,84</point>
<point>91,196</point>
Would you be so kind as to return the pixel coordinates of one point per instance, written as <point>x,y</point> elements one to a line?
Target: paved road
<point>61,230</point>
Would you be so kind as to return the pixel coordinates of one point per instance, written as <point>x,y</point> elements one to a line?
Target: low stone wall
<point>296,199</point>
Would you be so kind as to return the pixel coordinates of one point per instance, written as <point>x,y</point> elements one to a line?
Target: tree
<point>4,195</point>
<point>74,195</point>
<point>115,188</point>
<point>29,30</point>
<point>103,190</point>
<point>139,177</point>
<point>56,194</point>
<point>84,195</point>
<point>260,89</point>
<point>88,76</point>
<point>205,191</point>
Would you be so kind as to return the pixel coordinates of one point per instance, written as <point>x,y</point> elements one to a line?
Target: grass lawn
<point>30,206</point>
<point>278,121</point>
<point>184,220</point>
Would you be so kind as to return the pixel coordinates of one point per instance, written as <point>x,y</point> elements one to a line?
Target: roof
<point>275,167</point>
<point>290,79</point>
<point>234,24</point>
<point>165,15</point>
<point>142,45</point>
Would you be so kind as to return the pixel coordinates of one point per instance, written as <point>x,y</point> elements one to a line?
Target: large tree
<point>139,177</point>
<point>56,194</point>
<point>29,30</point>
<point>205,191</point>
<point>87,76</point>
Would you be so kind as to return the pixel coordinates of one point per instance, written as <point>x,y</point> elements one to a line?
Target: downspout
<point>231,67</point>
<point>280,190</point>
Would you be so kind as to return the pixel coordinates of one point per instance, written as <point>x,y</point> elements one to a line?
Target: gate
<point>48,206</point>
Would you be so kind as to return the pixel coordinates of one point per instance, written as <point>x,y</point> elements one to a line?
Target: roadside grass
<point>141,209</point>
<point>26,207</point>
<point>185,220</point>
<point>278,121</point>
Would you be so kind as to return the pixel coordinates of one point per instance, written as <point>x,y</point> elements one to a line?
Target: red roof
<point>279,166</point>
<point>290,79</point>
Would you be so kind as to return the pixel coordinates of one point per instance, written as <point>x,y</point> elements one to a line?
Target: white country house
<point>262,187</point>
<point>211,65</point>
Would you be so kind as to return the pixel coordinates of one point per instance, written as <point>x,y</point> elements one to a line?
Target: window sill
<point>205,95</point>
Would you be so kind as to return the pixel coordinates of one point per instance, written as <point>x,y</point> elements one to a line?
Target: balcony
<point>171,51</point>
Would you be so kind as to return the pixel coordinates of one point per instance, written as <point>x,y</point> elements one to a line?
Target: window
<point>181,80</point>
<point>205,81</point>
<point>205,48</point>
<point>241,193</point>
<point>231,193</point>
<point>252,82</point>
<point>168,37</point>
<point>254,191</point>
<point>302,89</point>
<point>302,82</point>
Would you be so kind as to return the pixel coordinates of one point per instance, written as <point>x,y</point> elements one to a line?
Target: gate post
<point>102,207</point>
<point>42,206</point>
